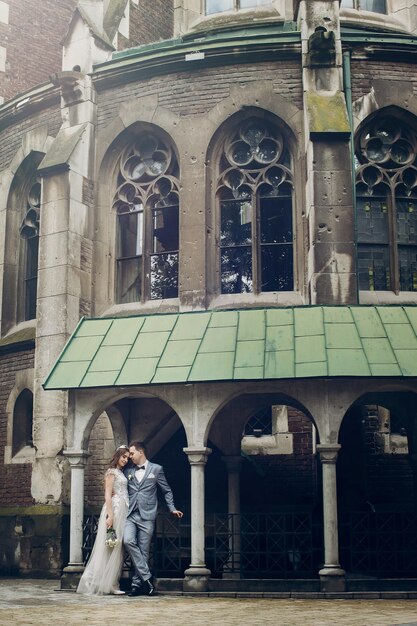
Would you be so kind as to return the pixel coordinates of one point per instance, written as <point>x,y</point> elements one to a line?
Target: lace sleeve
<point>111,472</point>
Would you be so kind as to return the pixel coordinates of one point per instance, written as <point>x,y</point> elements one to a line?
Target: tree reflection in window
<point>376,6</point>
<point>29,232</point>
<point>147,205</point>
<point>255,197</point>
<point>218,6</point>
<point>386,188</point>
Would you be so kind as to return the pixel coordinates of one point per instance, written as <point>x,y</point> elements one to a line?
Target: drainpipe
<point>347,82</point>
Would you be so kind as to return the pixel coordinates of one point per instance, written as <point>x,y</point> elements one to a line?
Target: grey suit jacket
<point>143,495</point>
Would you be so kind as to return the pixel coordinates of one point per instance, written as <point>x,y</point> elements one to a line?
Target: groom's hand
<point>178,514</point>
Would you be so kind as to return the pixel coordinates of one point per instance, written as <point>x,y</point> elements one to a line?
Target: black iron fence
<point>282,545</point>
<point>379,543</point>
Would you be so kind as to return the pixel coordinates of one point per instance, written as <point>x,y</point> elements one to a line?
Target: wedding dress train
<point>102,572</point>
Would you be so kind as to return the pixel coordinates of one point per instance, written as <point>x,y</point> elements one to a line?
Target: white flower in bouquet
<point>111,538</point>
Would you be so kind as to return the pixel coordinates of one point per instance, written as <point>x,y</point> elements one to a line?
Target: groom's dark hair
<point>139,445</point>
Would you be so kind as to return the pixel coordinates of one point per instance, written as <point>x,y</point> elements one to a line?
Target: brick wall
<point>364,72</point>
<point>101,447</point>
<point>15,480</point>
<point>196,93</point>
<point>271,482</point>
<point>151,20</point>
<point>32,42</point>
<point>11,137</point>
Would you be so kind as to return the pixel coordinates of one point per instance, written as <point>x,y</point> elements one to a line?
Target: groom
<point>142,481</point>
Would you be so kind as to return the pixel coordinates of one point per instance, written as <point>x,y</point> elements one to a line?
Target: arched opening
<point>155,423</point>
<point>263,490</point>
<point>23,422</point>
<point>22,249</point>
<point>376,475</point>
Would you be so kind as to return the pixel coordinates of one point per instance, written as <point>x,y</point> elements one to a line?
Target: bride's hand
<point>109,521</point>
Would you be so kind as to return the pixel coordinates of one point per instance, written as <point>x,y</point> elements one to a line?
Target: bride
<point>102,572</point>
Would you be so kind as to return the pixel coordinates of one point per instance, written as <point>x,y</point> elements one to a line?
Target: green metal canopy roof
<point>245,344</point>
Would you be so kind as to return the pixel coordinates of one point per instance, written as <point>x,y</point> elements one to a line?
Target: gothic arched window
<point>29,233</point>
<point>22,421</point>
<point>254,191</point>
<point>386,190</point>
<point>147,207</point>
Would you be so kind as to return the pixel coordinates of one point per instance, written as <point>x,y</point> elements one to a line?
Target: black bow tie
<point>140,467</point>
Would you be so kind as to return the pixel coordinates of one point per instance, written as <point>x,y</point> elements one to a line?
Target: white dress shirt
<point>141,472</point>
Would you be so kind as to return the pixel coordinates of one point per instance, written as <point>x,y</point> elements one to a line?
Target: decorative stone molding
<point>328,452</point>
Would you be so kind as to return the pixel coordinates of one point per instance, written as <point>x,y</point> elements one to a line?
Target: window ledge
<point>366,19</point>
<point>139,308</point>
<point>387,297</point>
<point>25,455</point>
<point>274,298</point>
<point>226,19</point>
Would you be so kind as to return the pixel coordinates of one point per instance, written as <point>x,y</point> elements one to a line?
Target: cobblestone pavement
<point>38,602</point>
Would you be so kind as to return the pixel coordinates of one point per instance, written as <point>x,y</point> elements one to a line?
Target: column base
<point>196,578</point>
<point>71,575</point>
<point>332,579</point>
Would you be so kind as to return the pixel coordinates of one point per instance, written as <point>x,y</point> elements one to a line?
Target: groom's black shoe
<point>135,591</point>
<point>147,588</point>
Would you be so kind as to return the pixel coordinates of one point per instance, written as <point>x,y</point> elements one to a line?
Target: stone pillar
<point>197,575</point>
<point>332,576</point>
<point>234,465</point>
<point>331,265</point>
<point>75,567</point>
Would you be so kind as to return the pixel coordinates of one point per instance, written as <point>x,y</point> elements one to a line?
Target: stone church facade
<point>209,243</point>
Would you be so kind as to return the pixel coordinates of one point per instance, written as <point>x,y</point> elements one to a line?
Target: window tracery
<point>255,203</point>
<point>147,207</point>
<point>386,188</point>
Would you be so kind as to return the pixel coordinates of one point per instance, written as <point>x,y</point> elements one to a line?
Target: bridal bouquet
<point>111,538</point>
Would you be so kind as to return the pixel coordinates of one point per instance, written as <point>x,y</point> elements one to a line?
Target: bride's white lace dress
<point>102,573</point>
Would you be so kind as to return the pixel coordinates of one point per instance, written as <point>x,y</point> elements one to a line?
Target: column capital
<point>197,456</point>
<point>77,458</point>
<point>328,452</point>
<point>233,463</point>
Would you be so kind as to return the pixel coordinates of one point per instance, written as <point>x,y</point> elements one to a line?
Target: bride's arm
<point>108,492</point>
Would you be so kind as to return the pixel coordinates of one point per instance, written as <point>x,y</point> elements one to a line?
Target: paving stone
<point>39,602</point>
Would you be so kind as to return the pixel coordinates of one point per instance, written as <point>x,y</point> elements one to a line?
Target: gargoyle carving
<point>322,48</point>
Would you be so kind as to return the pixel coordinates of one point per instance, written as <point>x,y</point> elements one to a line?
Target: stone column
<point>75,566</point>
<point>234,465</point>
<point>197,575</point>
<point>332,576</point>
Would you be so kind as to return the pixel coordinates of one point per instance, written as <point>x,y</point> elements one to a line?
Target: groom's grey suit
<point>141,516</point>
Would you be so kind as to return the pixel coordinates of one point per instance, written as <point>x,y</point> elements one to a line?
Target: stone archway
<point>377,485</point>
<point>263,496</point>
